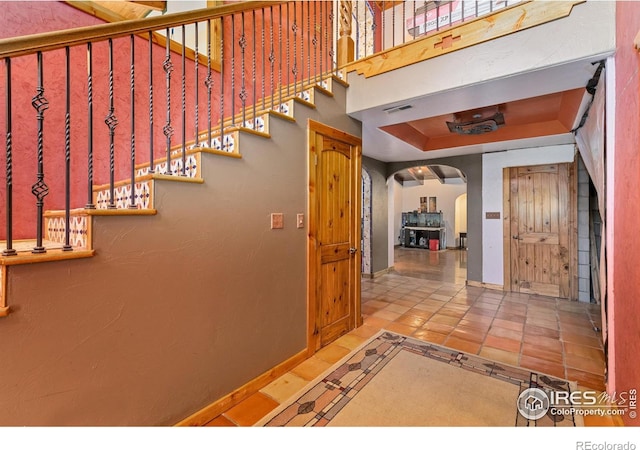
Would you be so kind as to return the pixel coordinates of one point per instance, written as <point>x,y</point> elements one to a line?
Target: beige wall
<point>175,310</point>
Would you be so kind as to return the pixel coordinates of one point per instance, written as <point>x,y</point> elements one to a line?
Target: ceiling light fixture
<point>478,124</point>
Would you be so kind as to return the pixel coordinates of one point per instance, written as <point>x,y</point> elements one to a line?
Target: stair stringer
<point>176,309</point>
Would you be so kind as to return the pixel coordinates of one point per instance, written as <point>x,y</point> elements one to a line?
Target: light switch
<point>300,220</point>
<point>277,221</point>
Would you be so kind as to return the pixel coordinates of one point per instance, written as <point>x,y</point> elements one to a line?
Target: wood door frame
<point>314,127</point>
<point>573,228</point>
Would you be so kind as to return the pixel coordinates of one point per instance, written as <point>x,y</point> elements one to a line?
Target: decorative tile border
<point>122,194</point>
<point>324,400</point>
<point>192,167</point>
<point>55,228</point>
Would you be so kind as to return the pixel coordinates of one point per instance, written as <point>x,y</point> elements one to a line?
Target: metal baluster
<point>9,250</point>
<point>132,204</point>
<point>365,30</point>
<point>288,42</point>
<point>208,82</point>
<point>374,25</point>
<point>437,16</point>
<point>415,29</point>
<point>424,13</point>
<point>233,71</point>
<point>357,44</point>
<point>222,19</point>
<point>112,122</point>
<point>243,91</point>
<point>67,156</point>
<point>302,54</point>
<point>272,56</point>
<point>393,25</point>
<point>167,65</point>
<point>197,100</point>
<point>40,189</point>
<point>263,56</point>
<point>280,60</point>
<point>451,12</point>
<point>332,51</point>
<point>318,41</point>
<point>184,103</point>
<point>294,71</point>
<point>404,21</point>
<point>253,69</point>
<point>151,163</point>
<point>310,41</point>
<point>326,33</point>
<point>90,204</point>
<point>383,22</point>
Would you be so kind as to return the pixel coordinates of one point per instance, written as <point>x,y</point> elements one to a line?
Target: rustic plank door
<point>334,234</point>
<point>541,230</point>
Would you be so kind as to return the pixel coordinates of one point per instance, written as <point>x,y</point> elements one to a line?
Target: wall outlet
<point>277,221</point>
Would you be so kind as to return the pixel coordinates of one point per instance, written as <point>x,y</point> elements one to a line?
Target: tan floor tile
<point>584,364</point>
<point>437,327</point>
<point>462,345</point>
<point>420,313</point>
<point>452,312</point>
<point>411,320</point>
<point>580,339</point>
<point>544,343</point>
<point>409,303</point>
<point>502,343</point>
<point>535,351</point>
<point>541,331</point>
<point>332,353</point>
<point>583,351</point>
<point>482,311</point>
<point>311,368</point>
<point>365,331</point>
<point>430,336</point>
<point>586,379</point>
<point>384,314</point>
<point>469,323</point>
<point>499,355</point>
<point>396,308</point>
<point>349,341</point>
<point>506,333</point>
<point>376,322</point>
<point>542,366</point>
<point>468,334</point>
<point>512,317</point>
<point>516,326</point>
<point>249,411</point>
<point>446,320</point>
<point>400,328</point>
<point>551,324</point>
<point>478,318</point>
<point>581,330</point>
<point>284,387</point>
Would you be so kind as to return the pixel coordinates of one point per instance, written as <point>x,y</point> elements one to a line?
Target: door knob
<point>352,250</point>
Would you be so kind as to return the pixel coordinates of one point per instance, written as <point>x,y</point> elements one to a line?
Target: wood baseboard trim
<point>378,273</point>
<point>494,287</point>
<point>210,412</point>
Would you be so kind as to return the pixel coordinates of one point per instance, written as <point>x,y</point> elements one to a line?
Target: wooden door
<point>540,230</point>
<point>334,234</point>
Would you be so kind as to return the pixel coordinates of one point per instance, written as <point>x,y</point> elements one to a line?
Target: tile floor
<point>426,297</point>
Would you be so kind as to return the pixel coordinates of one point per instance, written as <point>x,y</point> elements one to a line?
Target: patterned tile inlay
<point>191,167</point>
<point>305,95</point>
<point>323,401</point>
<point>78,230</point>
<point>123,196</point>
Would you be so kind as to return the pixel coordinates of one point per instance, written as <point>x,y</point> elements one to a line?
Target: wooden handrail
<point>52,40</point>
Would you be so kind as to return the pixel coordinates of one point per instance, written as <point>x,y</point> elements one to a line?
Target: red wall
<point>624,297</point>
<point>22,18</point>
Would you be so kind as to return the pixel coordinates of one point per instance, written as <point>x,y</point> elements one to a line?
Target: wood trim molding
<point>506,228</point>
<point>502,23</point>
<point>25,45</point>
<point>210,412</point>
<point>480,284</point>
<point>636,41</point>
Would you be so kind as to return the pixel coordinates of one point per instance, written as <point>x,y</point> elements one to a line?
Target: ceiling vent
<point>478,125</point>
<point>393,109</point>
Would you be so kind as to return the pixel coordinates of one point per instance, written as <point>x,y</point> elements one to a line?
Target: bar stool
<point>463,237</point>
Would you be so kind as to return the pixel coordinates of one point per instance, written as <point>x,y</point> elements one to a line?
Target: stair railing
<point>111,98</point>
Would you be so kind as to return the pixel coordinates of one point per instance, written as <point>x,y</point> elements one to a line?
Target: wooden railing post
<point>345,42</point>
